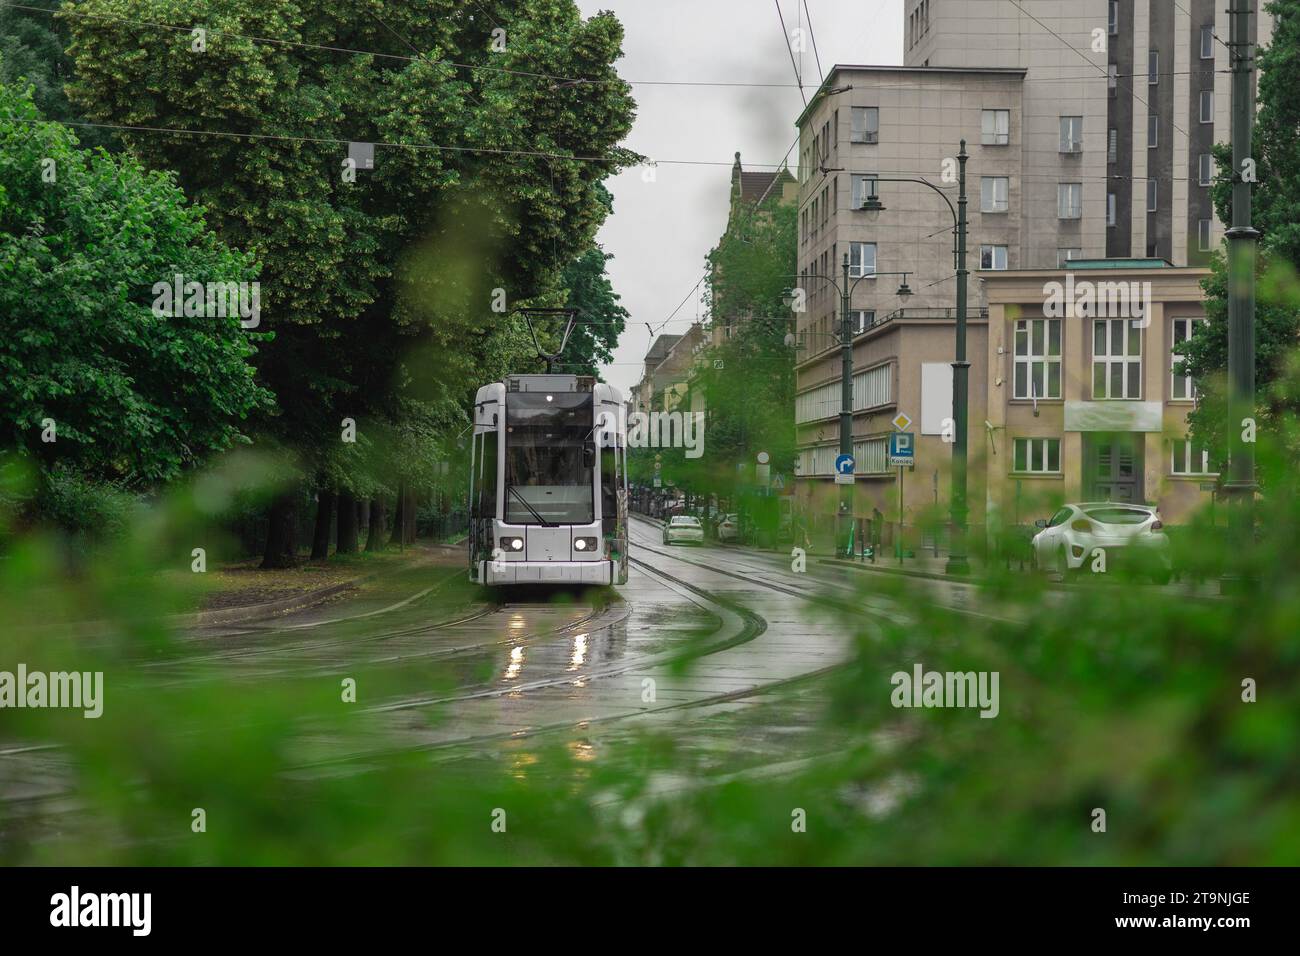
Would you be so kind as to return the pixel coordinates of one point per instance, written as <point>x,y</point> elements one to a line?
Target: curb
<point>909,572</point>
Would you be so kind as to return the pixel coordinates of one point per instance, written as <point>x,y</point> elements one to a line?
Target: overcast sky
<point>661,231</point>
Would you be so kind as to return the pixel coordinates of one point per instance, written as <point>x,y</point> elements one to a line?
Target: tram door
<point>613,500</point>
<point>482,498</point>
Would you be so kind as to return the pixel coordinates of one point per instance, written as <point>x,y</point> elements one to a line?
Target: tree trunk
<point>399,515</point>
<point>408,518</point>
<point>282,534</point>
<point>345,541</point>
<point>320,539</point>
<point>375,536</point>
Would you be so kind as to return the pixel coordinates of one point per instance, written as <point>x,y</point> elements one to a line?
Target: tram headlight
<point>512,544</point>
<point>585,544</point>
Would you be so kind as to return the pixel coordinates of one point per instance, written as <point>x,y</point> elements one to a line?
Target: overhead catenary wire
<point>483,67</point>
<point>785,38</point>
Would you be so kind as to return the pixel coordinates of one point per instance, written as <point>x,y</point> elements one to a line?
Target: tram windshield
<point>550,452</point>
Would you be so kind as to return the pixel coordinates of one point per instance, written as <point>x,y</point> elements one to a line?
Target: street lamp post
<point>957,560</point>
<point>845,289</point>
<point>1242,237</point>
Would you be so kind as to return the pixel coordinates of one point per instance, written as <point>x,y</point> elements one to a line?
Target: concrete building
<point>899,122</point>
<point>1082,400</point>
<point>1140,85</point>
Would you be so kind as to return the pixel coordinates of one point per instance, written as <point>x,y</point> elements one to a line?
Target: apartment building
<point>1084,401</point>
<point>645,396</point>
<point>1141,85</point>
<point>867,125</point>
<point>670,367</point>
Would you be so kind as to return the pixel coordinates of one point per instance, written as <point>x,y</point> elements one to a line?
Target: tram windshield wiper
<point>533,511</point>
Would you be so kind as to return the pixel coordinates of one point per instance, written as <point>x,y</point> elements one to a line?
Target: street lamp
<point>846,372</point>
<point>957,560</point>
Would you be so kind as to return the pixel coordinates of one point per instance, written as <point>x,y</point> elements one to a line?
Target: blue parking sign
<point>902,449</point>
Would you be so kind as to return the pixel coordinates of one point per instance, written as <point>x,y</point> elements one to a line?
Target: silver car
<point>1126,534</point>
<point>683,529</point>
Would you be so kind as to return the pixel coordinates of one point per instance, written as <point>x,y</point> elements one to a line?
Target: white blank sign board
<point>936,396</point>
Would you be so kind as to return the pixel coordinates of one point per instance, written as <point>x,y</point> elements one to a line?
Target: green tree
<point>91,378</point>
<point>380,290</point>
<point>1276,213</point>
<point>600,317</point>
<point>32,42</point>
<point>749,378</point>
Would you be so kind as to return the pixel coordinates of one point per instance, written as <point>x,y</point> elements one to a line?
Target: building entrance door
<point>1113,464</point>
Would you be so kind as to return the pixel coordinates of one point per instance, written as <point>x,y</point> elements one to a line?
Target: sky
<point>661,231</point>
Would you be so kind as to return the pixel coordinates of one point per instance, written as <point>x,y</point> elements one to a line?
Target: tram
<point>548,483</point>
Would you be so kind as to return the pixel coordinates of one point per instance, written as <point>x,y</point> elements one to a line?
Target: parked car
<point>684,529</point>
<point>729,528</point>
<point>1130,535</point>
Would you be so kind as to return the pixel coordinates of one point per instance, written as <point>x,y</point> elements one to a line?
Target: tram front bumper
<point>546,572</point>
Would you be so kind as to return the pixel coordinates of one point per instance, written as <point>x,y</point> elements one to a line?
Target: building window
<point>1207,106</point>
<point>1038,358</point>
<point>865,124</point>
<point>1069,201</point>
<point>994,192</point>
<point>862,258</point>
<point>872,456</point>
<point>1071,134</point>
<point>1153,131</point>
<point>1110,209</point>
<point>1116,359</point>
<point>1112,18</point>
<point>1205,169</point>
<point>1112,77</point>
<point>1112,146</point>
<point>1182,387</point>
<point>1065,255</point>
<point>1153,67</point>
<point>995,127</point>
<point>1037,455</point>
<point>862,319</point>
<point>1204,234</point>
<point>864,185</point>
<point>993,257</point>
<point>1190,459</point>
<point>1207,42</point>
<point>1152,195</point>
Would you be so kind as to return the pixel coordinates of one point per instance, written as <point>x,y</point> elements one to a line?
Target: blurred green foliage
<point>1113,695</point>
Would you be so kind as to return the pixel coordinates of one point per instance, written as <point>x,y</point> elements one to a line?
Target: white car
<point>729,528</point>
<point>1130,535</point>
<point>684,529</point>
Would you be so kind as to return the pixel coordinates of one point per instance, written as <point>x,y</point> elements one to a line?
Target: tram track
<point>737,623</point>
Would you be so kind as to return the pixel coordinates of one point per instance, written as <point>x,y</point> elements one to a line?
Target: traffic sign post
<point>844,470</point>
<point>902,449</point>
<point>902,455</point>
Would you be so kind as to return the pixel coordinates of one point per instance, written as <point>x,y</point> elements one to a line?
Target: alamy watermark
<point>212,300</point>
<point>658,430</point>
<point>76,909</point>
<point>1099,300</point>
<point>79,690</point>
<point>922,688</point>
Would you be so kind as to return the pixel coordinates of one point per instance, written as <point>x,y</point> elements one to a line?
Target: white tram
<point>548,483</point>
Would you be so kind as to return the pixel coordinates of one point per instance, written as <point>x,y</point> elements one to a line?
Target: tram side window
<point>488,473</point>
<point>609,476</point>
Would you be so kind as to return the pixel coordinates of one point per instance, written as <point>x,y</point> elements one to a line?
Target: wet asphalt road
<point>444,668</point>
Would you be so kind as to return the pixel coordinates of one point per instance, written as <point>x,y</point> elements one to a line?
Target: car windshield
<point>687,522</point>
<point>548,468</point>
<point>1118,515</point>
